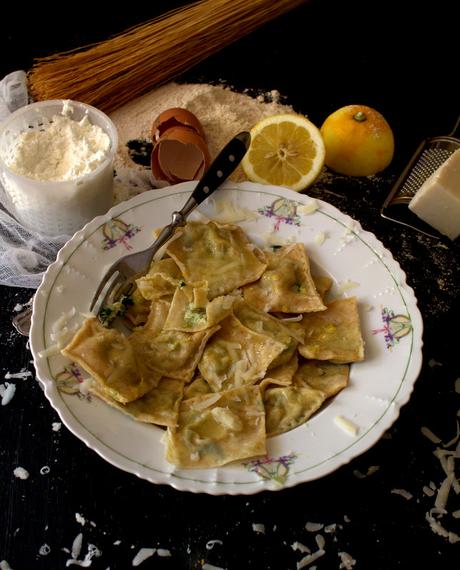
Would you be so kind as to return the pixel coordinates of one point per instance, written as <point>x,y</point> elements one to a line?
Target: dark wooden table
<point>319,57</point>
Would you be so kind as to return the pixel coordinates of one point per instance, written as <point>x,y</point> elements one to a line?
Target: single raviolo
<point>218,428</point>
<point>221,256</point>
<point>334,334</point>
<point>159,406</point>
<point>109,357</point>
<point>287,285</point>
<point>230,345</point>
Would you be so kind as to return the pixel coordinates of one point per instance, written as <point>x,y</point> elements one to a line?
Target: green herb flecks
<point>118,309</point>
<point>194,316</point>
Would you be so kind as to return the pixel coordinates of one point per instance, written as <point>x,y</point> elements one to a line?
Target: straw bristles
<point>111,73</point>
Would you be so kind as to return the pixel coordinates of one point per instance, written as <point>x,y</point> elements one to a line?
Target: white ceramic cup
<point>49,207</point>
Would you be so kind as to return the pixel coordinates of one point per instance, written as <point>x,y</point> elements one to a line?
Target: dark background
<point>320,57</point>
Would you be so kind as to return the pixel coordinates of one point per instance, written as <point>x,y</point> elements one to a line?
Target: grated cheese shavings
<point>320,541</point>
<point>142,555</point>
<point>346,285</point>
<point>7,392</point>
<point>346,425</point>
<point>443,492</point>
<point>21,473</point>
<point>164,552</point>
<point>22,375</point>
<point>346,561</point>
<point>300,547</point>
<point>437,528</point>
<point>403,493</point>
<point>56,426</point>
<point>227,212</point>
<point>93,552</point>
<point>320,238</point>
<point>309,208</point>
<point>211,543</point>
<point>44,550</point>
<point>313,527</point>
<point>310,558</point>
<point>430,435</point>
<point>258,527</point>
<point>5,566</point>
<point>80,519</point>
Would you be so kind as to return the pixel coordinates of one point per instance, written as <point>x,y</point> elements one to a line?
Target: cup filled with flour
<point>56,165</point>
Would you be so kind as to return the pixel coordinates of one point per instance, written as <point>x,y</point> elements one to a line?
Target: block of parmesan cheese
<point>437,202</point>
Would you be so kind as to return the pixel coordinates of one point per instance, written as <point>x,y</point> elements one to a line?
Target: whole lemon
<point>358,141</point>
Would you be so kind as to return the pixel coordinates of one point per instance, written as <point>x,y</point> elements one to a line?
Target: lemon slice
<point>286,150</point>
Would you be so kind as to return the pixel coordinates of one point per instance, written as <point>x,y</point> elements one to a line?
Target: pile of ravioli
<point>231,345</point>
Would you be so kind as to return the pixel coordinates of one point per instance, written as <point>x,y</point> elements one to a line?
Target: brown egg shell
<point>180,155</point>
<point>175,117</point>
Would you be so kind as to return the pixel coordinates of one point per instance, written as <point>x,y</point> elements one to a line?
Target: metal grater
<point>429,156</point>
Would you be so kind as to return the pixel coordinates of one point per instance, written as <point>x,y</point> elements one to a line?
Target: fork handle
<point>220,169</point>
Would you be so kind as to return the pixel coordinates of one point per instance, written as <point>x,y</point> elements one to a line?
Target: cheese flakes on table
<point>220,255</point>
<point>286,286</point>
<point>107,355</point>
<point>237,356</point>
<point>216,429</point>
<point>334,334</point>
<point>159,406</point>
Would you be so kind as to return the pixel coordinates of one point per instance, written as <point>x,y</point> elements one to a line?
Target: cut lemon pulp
<point>286,150</point>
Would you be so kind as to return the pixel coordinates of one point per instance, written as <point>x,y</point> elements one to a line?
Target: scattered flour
<point>222,113</point>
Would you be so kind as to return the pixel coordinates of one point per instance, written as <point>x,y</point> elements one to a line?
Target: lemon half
<point>286,150</point>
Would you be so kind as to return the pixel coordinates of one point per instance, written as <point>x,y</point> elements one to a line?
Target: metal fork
<point>120,277</point>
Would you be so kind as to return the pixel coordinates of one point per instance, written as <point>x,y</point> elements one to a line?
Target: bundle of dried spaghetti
<point>113,72</point>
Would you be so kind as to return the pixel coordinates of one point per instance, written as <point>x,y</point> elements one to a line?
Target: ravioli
<point>221,256</point>
<point>219,428</point>
<point>323,283</point>
<point>197,387</point>
<point>334,334</point>
<point>139,311</point>
<point>215,353</point>
<point>108,356</point>
<point>161,280</point>
<point>281,375</point>
<point>174,354</point>
<point>159,406</point>
<point>191,311</point>
<point>262,323</point>
<point>236,356</point>
<point>290,406</point>
<point>287,285</point>
<point>325,376</point>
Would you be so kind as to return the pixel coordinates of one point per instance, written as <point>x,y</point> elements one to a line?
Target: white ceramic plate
<point>358,264</point>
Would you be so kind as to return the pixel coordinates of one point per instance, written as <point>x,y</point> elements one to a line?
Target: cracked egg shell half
<point>180,154</point>
<point>175,117</point>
